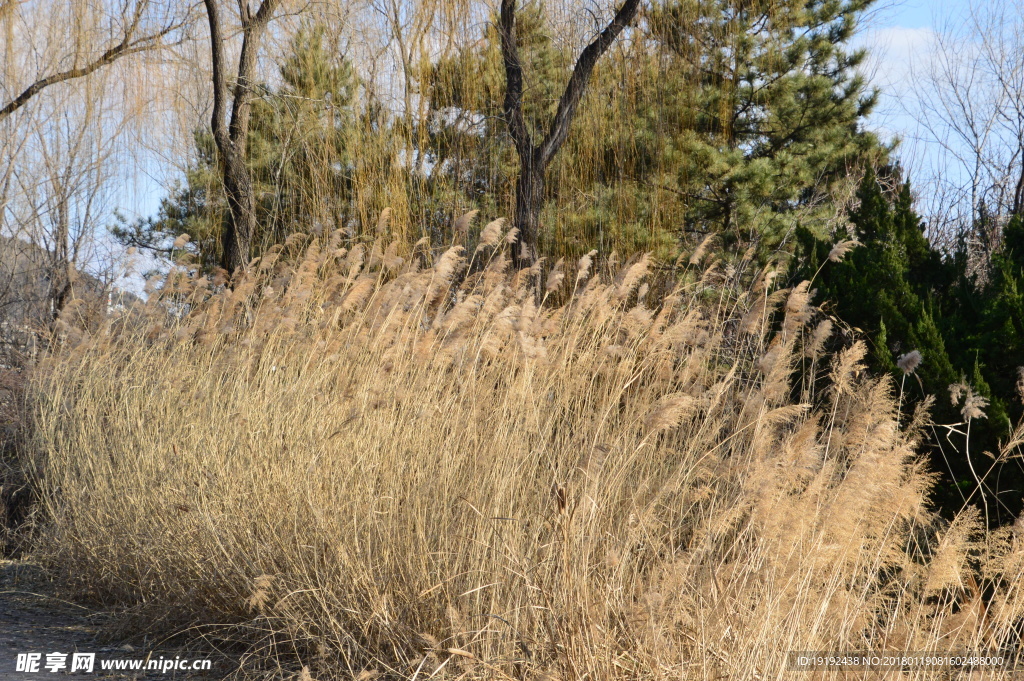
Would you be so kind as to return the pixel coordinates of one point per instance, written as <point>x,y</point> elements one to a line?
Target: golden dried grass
<point>408,471</point>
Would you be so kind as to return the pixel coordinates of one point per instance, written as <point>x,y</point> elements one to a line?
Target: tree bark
<point>534,160</point>
<point>1018,194</point>
<point>61,267</point>
<point>236,239</point>
<point>529,201</point>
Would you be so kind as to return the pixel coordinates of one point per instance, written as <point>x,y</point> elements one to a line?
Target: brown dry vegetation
<point>379,465</point>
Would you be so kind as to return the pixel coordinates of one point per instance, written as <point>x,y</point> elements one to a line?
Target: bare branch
<point>264,13</point>
<point>533,161</point>
<point>580,75</point>
<point>126,47</point>
<point>244,12</point>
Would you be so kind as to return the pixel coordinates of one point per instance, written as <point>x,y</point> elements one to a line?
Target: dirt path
<point>33,621</point>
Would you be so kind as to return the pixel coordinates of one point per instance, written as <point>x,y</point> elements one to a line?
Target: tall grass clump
<point>430,466</point>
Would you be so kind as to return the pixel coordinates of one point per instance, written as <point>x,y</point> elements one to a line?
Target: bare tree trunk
<point>1018,192</point>
<point>61,268</point>
<point>236,241</point>
<point>529,201</point>
<point>534,160</point>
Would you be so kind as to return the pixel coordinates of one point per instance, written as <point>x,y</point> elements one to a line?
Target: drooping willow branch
<point>131,43</point>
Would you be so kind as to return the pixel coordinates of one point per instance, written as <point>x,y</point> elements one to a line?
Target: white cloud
<point>894,53</point>
<point>897,58</point>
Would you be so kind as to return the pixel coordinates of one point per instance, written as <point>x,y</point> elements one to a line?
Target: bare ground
<point>34,620</point>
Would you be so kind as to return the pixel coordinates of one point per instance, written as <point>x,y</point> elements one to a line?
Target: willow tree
<point>534,158</point>
<point>136,28</point>
<point>63,129</point>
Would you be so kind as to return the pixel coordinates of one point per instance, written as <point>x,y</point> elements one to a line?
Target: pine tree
<point>773,112</point>
<point>998,340</point>
<point>728,116</point>
<point>885,287</point>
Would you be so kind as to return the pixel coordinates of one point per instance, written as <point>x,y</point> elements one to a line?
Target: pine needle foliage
<point>907,297</point>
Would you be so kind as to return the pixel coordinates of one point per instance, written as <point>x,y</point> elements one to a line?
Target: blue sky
<point>899,37</point>
<point>910,13</point>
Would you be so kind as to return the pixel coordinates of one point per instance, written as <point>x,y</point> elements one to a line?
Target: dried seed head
<point>463,223</point>
<point>973,406</point>
<point>973,402</point>
<point>798,309</point>
<point>393,261</point>
<point>490,235</point>
<point>909,362</point>
<point>555,277</point>
<point>670,411</point>
<point>583,265</point>
<point>841,248</point>
<point>848,366</point>
<point>382,221</point>
<point>698,254</point>
<point>822,332</point>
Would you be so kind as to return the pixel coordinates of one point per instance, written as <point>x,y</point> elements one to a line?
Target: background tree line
<point>687,119</point>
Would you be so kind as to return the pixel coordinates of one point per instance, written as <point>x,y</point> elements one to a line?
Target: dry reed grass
<point>381,465</point>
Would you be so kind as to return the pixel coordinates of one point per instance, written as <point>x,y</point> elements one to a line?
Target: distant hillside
<point>25,301</point>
